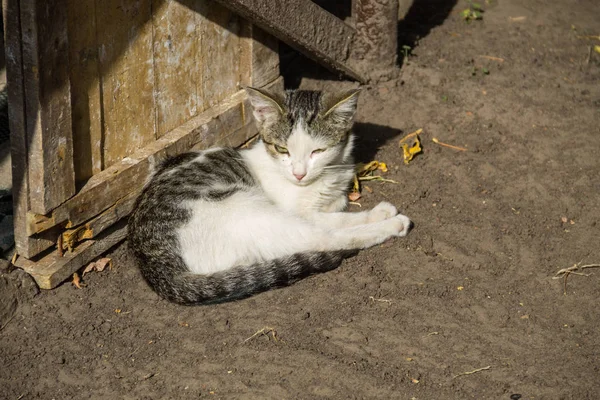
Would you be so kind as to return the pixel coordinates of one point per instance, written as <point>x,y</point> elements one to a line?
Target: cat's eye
<point>280,149</point>
<point>317,151</point>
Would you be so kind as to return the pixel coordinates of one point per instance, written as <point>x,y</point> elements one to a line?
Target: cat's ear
<point>266,106</point>
<point>340,109</point>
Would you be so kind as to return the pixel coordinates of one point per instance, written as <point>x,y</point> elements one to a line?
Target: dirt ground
<point>464,307</point>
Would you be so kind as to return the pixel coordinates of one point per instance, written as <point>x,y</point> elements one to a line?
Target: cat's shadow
<point>370,138</point>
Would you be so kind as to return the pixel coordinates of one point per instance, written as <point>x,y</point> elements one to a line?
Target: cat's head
<point>305,131</point>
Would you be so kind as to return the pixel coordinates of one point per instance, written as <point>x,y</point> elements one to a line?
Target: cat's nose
<point>300,176</point>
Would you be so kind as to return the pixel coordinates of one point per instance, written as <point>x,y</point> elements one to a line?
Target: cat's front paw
<point>402,225</point>
<point>381,212</point>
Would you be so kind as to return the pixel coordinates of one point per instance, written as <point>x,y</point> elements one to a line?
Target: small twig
<point>473,372</point>
<point>380,300</point>
<point>493,58</point>
<point>354,203</point>
<point>434,140</point>
<point>589,37</point>
<point>574,268</point>
<point>375,178</point>
<point>415,133</point>
<point>264,332</point>
<point>14,258</point>
<point>565,272</point>
<point>589,57</point>
<point>433,333</point>
<point>148,376</point>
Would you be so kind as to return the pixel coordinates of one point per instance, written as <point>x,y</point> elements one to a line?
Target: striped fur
<point>224,224</point>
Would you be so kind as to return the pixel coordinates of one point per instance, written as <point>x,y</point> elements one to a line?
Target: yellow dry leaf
<point>364,169</point>
<point>77,281</point>
<point>355,184</point>
<point>382,167</point>
<point>460,288</point>
<point>410,152</point>
<point>597,49</point>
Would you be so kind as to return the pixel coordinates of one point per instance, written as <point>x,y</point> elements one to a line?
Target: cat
<point>223,224</point>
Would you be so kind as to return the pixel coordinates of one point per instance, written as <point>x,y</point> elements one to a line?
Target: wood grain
<point>219,55</point>
<point>25,245</point>
<point>86,98</point>
<point>176,69</point>
<point>47,103</point>
<point>127,74</point>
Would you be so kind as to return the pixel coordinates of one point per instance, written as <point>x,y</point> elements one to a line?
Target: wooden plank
<point>260,56</point>
<point>219,56</point>
<point>265,57</point>
<point>86,97</point>
<point>53,269</point>
<point>306,27</point>
<point>47,103</point>
<point>176,70</point>
<point>24,244</point>
<point>104,189</point>
<point>121,209</point>
<point>127,75</point>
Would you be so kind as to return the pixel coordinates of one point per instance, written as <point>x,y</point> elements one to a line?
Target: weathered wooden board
<point>52,269</point>
<point>127,75</point>
<point>219,55</point>
<point>45,63</point>
<point>86,98</point>
<point>121,209</point>
<point>306,27</point>
<point>18,134</point>
<point>259,56</point>
<point>176,69</point>
<point>265,57</point>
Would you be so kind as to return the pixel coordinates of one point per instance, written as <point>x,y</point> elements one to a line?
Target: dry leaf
<point>98,266</point>
<point>564,220</point>
<point>365,169</point>
<point>597,49</point>
<point>410,152</point>
<point>413,380</point>
<point>353,196</point>
<point>77,281</point>
<point>460,288</point>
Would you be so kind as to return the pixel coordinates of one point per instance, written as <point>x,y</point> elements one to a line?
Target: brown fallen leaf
<point>98,266</point>
<point>353,196</point>
<point>77,281</point>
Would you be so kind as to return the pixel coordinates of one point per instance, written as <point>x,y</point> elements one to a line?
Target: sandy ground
<point>469,290</point>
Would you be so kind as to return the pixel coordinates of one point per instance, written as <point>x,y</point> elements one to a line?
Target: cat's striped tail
<point>239,282</point>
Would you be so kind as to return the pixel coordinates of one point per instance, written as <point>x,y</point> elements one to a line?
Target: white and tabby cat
<point>223,224</point>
